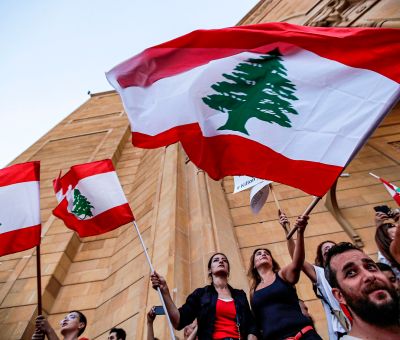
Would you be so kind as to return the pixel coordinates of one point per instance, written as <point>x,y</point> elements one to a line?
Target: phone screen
<point>159,310</point>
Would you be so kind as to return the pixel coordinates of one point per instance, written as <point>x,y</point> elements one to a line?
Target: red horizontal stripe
<point>19,240</point>
<point>18,173</point>
<point>229,155</point>
<point>81,171</point>
<point>102,223</point>
<point>376,49</point>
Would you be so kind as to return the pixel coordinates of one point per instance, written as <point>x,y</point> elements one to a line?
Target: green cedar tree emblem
<point>257,88</point>
<point>81,205</point>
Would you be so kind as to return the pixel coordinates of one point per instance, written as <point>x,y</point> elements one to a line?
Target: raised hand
<point>301,223</point>
<point>157,281</point>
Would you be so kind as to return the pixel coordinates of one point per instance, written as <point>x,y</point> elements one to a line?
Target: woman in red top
<point>222,312</point>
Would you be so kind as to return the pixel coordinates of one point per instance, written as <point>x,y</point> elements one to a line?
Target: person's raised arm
<point>158,281</point>
<point>291,272</point>
<point>308,268</point>
<point>151,315</point>
<point>42,325</point>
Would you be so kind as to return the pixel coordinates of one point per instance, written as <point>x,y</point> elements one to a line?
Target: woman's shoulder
<point>203,290</point>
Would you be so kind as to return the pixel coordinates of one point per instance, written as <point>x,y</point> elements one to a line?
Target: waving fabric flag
<point>20,225</point>
<point>393,190</point>
<point>91,200</point>
<point>277,101</point>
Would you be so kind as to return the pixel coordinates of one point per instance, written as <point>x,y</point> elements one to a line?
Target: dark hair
<point>337,249</point>
<point>252,273</point>
<point>82,318</point>
<point>319,258</point>
<point>383,267</point>
<point>210,260</point>
<point>383,241</point>
<point>121,334</point>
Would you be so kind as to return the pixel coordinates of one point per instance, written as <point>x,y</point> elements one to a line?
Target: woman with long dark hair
<point>273,296</point>
<point>336,317</point>
<point>388,245</point>
<point>222,312</point>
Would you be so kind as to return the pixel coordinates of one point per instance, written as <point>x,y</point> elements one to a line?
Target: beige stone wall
<point>183,215</point>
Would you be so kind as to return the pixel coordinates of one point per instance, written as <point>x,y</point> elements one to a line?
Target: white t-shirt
<point>349,337</point>
<point>325,290</point>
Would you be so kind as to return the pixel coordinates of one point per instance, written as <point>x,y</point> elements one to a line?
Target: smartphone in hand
<point>159,310</point>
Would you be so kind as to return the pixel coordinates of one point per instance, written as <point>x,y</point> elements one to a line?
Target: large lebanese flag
<point>91,199</point>
<point>20,225</point>
<point>277,101</point>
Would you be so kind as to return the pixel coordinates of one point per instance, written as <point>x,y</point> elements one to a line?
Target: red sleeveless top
<point>225,325</point>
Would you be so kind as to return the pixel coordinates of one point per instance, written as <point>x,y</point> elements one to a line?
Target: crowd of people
<point>360,297</point>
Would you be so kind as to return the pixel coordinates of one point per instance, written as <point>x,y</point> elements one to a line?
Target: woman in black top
<point>202,304</point>
<point>273,295</point>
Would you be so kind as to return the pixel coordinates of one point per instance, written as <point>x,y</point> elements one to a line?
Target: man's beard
<point>378,314</point>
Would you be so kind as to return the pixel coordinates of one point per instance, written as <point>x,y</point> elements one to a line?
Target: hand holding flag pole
<point>307,212</point>
<point>158,288</point>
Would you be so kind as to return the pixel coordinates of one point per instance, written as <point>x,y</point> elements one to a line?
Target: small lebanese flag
<point>276,101</point>
<point>20,226</point>
<point>391,188</point>
<point>91,199</point>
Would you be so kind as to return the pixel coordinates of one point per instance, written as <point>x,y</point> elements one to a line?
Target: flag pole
<point>158,288</point>
<point>374,175</point>
<point>286,225</point>
<point>275,199</point>
<point>306,212</point>
<point>39,280</point>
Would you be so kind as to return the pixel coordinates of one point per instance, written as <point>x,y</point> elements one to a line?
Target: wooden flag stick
<point>286,225</point>
<point>39,280</point>
<point>307,212</point>
<point>171,329</point>
<point>275,199</point>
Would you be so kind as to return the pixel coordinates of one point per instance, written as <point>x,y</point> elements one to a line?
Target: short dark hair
<point>121,334</point>
<point>82,318</point>
<point>337,249</point>
<point>383,267</point>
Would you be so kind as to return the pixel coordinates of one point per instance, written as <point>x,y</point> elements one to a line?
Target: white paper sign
<point>258,196</point>
<point>245,182</point>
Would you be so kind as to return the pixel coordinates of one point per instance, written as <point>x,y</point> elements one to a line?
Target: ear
<point>81,325</point>
<point>338,295</point>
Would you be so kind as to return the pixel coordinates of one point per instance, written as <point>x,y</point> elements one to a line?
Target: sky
<point>54,52</point>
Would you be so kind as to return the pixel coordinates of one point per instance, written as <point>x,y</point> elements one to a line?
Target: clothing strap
<point>338,314</point>
<point>300,334</point>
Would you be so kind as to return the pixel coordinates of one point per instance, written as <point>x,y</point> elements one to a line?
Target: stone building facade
<point>183,215</point>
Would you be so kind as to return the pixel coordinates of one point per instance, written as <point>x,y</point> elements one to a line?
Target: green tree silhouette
<point>81,206</point>
<point>257,88</point>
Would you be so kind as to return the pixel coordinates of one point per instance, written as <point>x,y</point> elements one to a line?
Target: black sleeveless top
<point>277,311</point>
